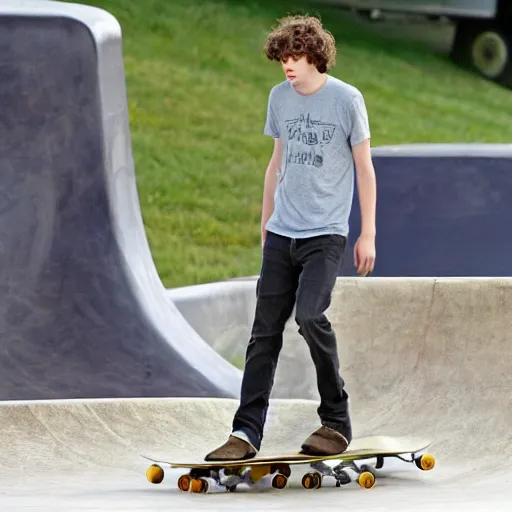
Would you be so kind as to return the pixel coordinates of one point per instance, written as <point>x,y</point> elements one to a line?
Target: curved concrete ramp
<point>430,355</point>
<point>422,357</point>
<point>222,314</point>
<point>419,355</point>
<point>85,454</point>
<point>440,210</point>
<point>379,322</point>
<point>82,310</point>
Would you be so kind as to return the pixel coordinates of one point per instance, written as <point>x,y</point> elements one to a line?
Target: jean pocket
<point>340,240</point>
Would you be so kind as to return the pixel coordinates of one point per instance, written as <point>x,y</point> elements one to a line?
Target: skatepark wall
<point>83,313</point>
<point>442,210</point>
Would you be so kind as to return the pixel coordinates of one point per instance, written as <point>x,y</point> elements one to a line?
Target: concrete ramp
<point>431,355</point>
<point>222,314</point>
<point>82,310</point>
<point>416,353</point>
<point>423,357</point>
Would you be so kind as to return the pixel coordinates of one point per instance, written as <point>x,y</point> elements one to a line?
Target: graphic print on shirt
<point>306,140</point>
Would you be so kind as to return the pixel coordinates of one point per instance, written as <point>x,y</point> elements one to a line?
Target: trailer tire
<point>484,47</point>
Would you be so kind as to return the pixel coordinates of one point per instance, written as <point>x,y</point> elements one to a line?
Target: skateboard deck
<point>274,471</point>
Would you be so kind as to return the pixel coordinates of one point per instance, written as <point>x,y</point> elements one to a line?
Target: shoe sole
<point>308,450</point>
<point>223,459</point>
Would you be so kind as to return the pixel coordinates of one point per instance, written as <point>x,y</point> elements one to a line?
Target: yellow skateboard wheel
<point>198,485</point>
<point>279,481</point>
<point>366,480</point>
<point>311,481</point>
<point>155,474</point>
<point>427,462</point>
<point>184,483</point>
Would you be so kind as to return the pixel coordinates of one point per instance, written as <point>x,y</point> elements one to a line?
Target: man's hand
<point>364,254</point>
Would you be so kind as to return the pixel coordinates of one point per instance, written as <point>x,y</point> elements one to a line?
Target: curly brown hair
<point>299,36</point>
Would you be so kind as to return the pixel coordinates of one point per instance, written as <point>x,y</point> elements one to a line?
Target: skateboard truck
<point>365,473</point>
<point>217,479</point>
<point>314,480</point>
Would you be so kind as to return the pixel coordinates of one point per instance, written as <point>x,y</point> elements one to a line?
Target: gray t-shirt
<point>316,178</point>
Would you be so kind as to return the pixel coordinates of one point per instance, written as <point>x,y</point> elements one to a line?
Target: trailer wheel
<point>486,48</point>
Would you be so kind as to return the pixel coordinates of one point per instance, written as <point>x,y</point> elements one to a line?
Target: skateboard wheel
<point>155,474</point>
<point>198,485</point>
<point>307,481</point>
<point>426,462</point>
<point>279,481</point>
<point>311,481</point>
<point>184,483</point>
<point>366,480</point>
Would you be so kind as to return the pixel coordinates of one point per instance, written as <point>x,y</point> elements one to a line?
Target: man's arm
<point>367,187</point>
<point>364,251</point>
<point>269,187</point>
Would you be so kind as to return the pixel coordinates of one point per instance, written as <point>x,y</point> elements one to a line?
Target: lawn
<point>198,84</point>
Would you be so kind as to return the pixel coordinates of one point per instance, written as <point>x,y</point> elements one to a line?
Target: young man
<point>320,129</point>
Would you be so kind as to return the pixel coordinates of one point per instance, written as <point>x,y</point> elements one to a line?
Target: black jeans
<point>301,273</point>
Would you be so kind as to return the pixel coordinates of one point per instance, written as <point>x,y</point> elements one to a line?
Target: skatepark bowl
<point>100,364</point>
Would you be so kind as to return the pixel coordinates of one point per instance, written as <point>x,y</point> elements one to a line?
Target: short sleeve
<point>271,124</point>
<point>359,124</point>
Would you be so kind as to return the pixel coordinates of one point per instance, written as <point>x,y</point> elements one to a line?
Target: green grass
<point>197,90</point>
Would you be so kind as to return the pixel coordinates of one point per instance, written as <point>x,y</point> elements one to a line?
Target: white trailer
<point>483,29</point>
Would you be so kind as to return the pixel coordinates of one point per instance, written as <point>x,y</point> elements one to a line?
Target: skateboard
<point>274,471</point>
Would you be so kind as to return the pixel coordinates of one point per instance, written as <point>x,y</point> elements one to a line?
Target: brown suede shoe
<point>325,441</point>
<point>233,449</point>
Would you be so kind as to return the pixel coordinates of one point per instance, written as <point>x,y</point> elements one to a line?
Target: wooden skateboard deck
<point>274,471</point>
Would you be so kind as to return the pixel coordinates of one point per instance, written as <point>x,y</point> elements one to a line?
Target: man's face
<point>297,70</point>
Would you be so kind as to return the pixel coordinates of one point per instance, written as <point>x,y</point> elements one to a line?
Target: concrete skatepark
<point>100,363</point>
